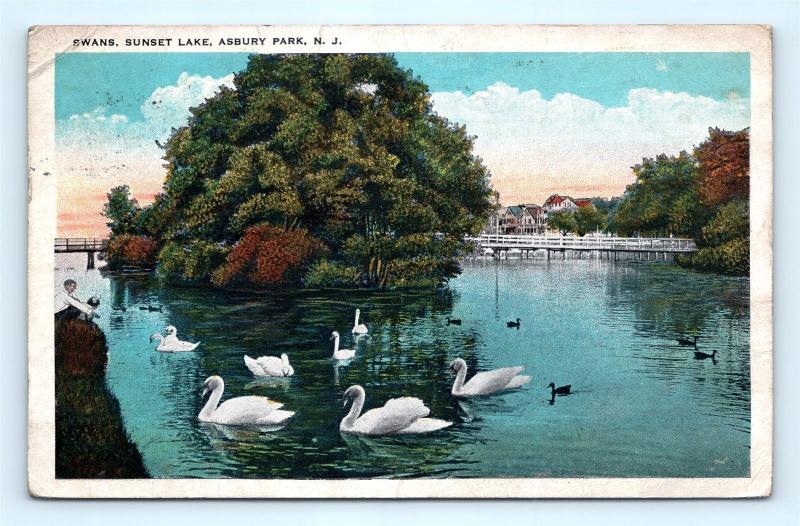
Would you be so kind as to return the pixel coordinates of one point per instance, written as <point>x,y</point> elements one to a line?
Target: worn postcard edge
<point>47,41</point>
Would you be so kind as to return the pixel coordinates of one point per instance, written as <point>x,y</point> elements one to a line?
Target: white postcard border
<point>47,41</point>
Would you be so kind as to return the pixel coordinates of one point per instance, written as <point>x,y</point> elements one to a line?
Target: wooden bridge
<point>81,244</point>
<point>602,246</point>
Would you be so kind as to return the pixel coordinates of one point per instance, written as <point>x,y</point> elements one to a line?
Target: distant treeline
<point>703,195</point>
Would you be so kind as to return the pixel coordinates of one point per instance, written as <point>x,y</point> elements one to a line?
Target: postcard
<point>400,261</point>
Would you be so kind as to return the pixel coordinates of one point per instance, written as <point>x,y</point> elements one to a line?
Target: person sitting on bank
<point>68,307</point>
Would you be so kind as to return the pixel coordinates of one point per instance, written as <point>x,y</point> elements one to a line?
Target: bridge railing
<point>585,243</point>
<point>79,244</point>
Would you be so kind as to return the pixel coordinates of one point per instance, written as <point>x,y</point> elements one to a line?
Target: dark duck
<point>700,355</point>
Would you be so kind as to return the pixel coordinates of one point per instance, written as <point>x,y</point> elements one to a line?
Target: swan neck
<point>460,376</point>
<point>355,411</point>
<point>335,344</point>
<point>355,323</point>
<point>211,405</point>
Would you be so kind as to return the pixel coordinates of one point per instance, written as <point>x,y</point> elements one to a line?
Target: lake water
<point>642,406</point>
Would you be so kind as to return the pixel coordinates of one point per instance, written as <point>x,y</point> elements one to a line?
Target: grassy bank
<point>91,441</point>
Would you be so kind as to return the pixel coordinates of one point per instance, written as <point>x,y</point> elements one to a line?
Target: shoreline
<point>91,440</point>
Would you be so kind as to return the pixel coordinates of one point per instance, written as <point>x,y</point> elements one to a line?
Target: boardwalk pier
<point>81,244</point>
<point>599,247</point>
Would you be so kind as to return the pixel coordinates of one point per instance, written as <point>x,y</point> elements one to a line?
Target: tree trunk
<point>384,277</point>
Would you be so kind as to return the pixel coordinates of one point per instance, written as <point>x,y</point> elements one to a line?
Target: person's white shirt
<point>64,299</point>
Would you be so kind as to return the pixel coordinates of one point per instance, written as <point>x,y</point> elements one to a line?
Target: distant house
<point>559,203</point>
<point>530,219</point>
<point>534,219</point>
<point>511,220</point>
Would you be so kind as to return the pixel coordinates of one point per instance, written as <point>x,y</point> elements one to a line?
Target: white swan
<point>485,383</point>
<point>240,411</point>
<point>171,343</point>
<point>269,365</point>
<point>340,354</point>
<point>359,328</point>
<point>398,416</point>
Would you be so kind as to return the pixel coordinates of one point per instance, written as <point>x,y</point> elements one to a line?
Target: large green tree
<point>563,221</point>
<point>590,219</point>
<point>344,147</point>
<point>663,200</point>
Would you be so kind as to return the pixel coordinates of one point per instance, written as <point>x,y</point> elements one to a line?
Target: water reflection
<point>608,328</point>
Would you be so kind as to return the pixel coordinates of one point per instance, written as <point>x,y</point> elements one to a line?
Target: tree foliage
<point>563,221</point>
<point>663,200</point>
<point>606,205</point>
<point>267,255</point>
<point>121,210</point>
<point>724,166</point>
<point>590,219</point>
<point>344,147</point>
<point>132,250</point>
<point>704,195</point>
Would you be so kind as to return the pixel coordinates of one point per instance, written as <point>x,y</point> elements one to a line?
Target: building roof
<point>583,201</point>
<point>555,200</point>
<point>516,211</point>
<point>534,210</point>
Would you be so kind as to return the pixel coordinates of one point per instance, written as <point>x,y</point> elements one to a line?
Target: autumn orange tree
<point>724,166</point>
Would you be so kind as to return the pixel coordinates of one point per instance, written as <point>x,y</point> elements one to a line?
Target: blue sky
<point>85,81</point>
<point>569,123</point>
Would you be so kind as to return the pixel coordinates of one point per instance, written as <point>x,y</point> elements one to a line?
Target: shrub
<point>732,257</point>
<point>730,222</point>
<point>325,274</point>
<point>193,262</point>
<point>268,255</point>
<point>129,249</point>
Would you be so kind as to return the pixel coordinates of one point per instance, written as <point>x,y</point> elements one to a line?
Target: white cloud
<point>98,115</point>
<point>533,145</point>
<point>119,149</point>
<point>168,106</point>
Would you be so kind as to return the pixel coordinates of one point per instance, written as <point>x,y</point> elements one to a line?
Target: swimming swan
<point>240,411</point>
<point>340,354</point>
<point>487,382</point>
<point>398,416</point>
<point>359,328</point>
<point>171,343</point>
<point>269,365</point>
